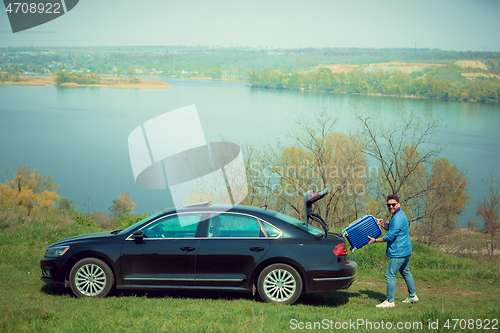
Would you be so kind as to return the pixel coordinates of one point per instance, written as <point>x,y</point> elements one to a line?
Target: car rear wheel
<point>279,283</point>
<point>91,277</point>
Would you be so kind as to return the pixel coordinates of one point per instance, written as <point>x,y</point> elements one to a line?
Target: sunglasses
<point>389,205</point>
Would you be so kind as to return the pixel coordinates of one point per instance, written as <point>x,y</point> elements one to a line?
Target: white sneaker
<point>411,299</point>
<point>385,304</point>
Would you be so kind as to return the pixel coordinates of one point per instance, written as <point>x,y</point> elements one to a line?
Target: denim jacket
<point>398,236</point>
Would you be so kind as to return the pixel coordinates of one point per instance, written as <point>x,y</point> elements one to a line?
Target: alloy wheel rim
<point>279,285</point>
<point>90,280</point>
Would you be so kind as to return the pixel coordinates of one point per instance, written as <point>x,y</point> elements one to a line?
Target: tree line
<point>392,82</point>
<point>63,77</point>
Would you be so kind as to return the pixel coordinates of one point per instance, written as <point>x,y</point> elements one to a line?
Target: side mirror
<point>138,235</point>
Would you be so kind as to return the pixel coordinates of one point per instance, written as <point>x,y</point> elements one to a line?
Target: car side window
<point>174,226</point>
<point>228,225</point>
<point>272,231</point>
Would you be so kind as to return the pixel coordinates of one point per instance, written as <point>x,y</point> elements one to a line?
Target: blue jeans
<point>401,265</point>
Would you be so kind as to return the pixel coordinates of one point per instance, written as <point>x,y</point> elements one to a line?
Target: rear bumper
<point>330,280</point>
<point>330,284</point>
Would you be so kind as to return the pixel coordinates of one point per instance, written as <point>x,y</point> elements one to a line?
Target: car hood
<point>86,237</point>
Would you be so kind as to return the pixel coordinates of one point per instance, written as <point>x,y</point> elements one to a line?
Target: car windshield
<point>300,224</point>
<point>135,225</point>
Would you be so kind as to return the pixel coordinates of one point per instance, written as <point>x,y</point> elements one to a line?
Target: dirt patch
<point>436,291</point>
<point>339,68</point>
<point>474,75</point>
<point>407,65</point>
<point>422,289</point>
<point>370,283</point>
<point>468,293</point>
<point>471,64</point>
<point>393,65</point>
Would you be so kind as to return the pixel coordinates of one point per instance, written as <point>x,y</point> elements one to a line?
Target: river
<point>79,135</point>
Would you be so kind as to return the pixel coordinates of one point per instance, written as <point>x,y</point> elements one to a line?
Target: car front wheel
<point>279,283</point>
<point>91,277</point>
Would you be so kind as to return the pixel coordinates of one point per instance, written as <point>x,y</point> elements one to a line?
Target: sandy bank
<point>105,83</point>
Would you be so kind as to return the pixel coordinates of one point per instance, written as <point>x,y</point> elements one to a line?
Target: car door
<point>233,246</point>
<point>166,255</point>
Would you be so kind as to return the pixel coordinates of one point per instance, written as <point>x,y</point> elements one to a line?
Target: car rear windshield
<point>300,224</point>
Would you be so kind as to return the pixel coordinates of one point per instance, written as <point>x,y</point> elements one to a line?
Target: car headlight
<point>54,252</point>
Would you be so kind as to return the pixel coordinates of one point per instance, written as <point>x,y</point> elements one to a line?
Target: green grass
<point>448,288</point>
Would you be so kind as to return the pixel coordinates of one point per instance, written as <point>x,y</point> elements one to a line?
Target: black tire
<point>279,283</point>
<point>91,277</point>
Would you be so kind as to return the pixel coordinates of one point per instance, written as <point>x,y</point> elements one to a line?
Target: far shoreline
<point>114,82</point>
<point>36,80</point>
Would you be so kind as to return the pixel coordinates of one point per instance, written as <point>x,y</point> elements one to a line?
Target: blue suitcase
<point>358,231</point>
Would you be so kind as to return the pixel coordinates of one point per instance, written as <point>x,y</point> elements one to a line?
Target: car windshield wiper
<point>116,231</point>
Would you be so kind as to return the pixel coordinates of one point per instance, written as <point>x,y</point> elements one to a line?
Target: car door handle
<point>256,249</point>
<point>187,249</point>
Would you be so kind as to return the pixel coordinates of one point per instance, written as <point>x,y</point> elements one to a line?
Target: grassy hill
<point>448,287</point>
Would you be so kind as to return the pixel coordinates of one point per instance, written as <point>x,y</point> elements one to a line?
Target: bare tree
<point>431,190</point>
<point>403,149</point>
<point>317,157</point>
<point>445,200</point>
<point>489,211</point>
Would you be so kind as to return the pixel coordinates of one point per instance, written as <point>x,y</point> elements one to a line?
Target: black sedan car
<point>203,246</point>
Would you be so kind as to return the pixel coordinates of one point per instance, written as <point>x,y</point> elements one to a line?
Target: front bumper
<point>52,273</point>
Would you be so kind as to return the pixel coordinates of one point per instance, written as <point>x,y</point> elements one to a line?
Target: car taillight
<point>340,250</point>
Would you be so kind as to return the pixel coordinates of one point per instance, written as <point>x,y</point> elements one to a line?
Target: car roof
<point>207,207</point>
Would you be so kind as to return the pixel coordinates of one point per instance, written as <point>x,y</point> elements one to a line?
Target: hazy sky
<point>445,24</point>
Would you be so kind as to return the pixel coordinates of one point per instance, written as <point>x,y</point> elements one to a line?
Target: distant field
<point>452,70</point>
<point>406,67</point>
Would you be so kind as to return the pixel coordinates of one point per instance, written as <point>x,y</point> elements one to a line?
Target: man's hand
<point>372,240</point>
<point>381,223</point>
